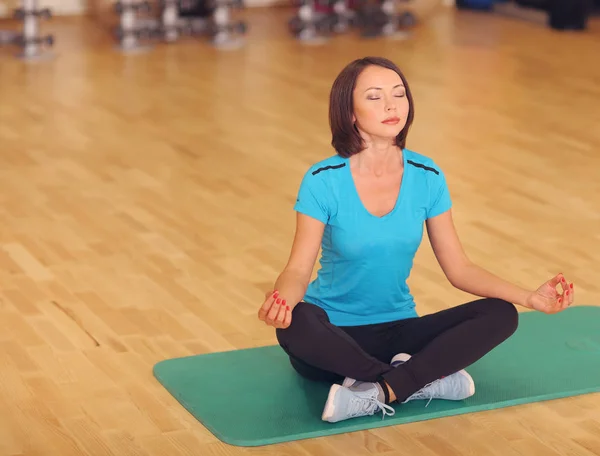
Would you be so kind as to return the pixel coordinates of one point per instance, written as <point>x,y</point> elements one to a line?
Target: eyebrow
<point>379,88</point>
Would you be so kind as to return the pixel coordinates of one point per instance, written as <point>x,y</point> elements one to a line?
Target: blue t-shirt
<point>366,260</point>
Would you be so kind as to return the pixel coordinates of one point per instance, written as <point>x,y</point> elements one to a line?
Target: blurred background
<point>150,155</point>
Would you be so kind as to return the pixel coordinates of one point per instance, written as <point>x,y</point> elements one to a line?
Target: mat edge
<point>357,428</point>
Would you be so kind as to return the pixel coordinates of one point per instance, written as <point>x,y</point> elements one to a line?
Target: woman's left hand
<point>548,300</point>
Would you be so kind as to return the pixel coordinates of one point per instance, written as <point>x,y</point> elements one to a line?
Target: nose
<point>389,104</point>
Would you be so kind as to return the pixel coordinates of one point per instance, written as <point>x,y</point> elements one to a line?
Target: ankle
<point>386,393</point>
<point>391,396</point>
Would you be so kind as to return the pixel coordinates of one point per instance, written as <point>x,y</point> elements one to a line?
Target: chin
<point>389,131</point>
<point>383,131</point>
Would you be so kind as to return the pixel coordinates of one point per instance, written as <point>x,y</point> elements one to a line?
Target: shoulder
<point>320,184</point>
<point>327,166</point>
<point>324,171</point>
<point>426,165</point>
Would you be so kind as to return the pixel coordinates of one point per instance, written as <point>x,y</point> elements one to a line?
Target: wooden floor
<point>146,206</point>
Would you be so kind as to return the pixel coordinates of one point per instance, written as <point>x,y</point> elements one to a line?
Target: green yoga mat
<point>253,397</point>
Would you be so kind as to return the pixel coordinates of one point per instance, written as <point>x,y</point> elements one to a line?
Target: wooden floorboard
<point>146,205</point>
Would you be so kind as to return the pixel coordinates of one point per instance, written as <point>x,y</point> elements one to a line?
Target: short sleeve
<point>313,196</point>
<point>439,195</point>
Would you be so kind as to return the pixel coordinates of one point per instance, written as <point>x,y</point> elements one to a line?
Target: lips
<point>391,121</point>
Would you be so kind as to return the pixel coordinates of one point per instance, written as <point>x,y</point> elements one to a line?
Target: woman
<point>366,206</point>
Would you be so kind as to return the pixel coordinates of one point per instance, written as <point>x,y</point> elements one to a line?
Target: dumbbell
<point>326,24</point>
<point>20,13</point>
<point>21,41</point>
<point>143,7</point>
<point>239,27</point>
<point>407,19</point>
<point>296,25</point>
<point>182,29</point>
<point>139,33</point>
<point>213,4</point>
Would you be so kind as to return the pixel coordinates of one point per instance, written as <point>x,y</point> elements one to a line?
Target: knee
<point>305,320</point>
<point>504,314</point>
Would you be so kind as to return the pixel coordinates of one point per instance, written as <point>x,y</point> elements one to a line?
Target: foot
<point>361,399</point>
<point>455,387</point>
<point>400,358</point>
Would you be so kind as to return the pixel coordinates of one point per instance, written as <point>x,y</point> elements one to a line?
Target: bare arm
<point>291,284</point>
<point>462,272</point>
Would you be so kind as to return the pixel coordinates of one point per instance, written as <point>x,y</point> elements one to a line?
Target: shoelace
<point>361,405</point>
<point>422,393</point>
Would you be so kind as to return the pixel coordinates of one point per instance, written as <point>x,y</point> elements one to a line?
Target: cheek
<point>365,113</point>
<point>404,107</point>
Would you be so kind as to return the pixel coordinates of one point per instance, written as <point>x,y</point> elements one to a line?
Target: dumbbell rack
<point>170,26</point>
<point>223,31</point>
<point>313,23</point>
<point>29,40</point>
<point>383,18</point>
<point>316,20</point>
<point>130,29</point>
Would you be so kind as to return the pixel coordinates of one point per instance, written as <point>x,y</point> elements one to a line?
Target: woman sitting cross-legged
<point>366,207</point>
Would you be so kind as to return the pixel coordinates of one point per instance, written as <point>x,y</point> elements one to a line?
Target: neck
<point>379,157</point>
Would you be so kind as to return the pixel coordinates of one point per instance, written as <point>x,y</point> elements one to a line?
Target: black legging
<point>440,344</point>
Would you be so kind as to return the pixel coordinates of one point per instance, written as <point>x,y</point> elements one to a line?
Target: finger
<point>567,293</point>
<point>571,294</point>
<point>555,280</point>
<point>560,302</point>
<point>555,305</point>
<point>266,307</point>
<point>568,297</point>
<point>563,283</point>
<point>272,315</point>
<point>288,317</point>
<point>281,314</point>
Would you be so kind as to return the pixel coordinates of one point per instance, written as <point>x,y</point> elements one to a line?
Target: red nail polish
<point>287,307</point>
<point>283,302</point>
<point>567,293</point>
<point>571,285</point>
<point>559,300</point>
<point>278,300</point>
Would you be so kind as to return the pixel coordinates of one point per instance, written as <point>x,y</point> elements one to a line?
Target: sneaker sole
<point>400,358</point>
<point>329,408</point>
<point>471,382</point>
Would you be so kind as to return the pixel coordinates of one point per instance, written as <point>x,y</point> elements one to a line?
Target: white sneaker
<point>361,399</point>
<point>455,387</point>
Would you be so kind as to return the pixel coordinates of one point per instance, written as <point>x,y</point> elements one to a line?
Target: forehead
<point>378,76</point>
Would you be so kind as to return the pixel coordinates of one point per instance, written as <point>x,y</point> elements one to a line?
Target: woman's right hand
<point>275,311</point>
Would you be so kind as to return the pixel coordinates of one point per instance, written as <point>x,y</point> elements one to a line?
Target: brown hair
<point>346,139</point>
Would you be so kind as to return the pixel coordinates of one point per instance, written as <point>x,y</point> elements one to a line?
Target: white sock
<point>364,386</point>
